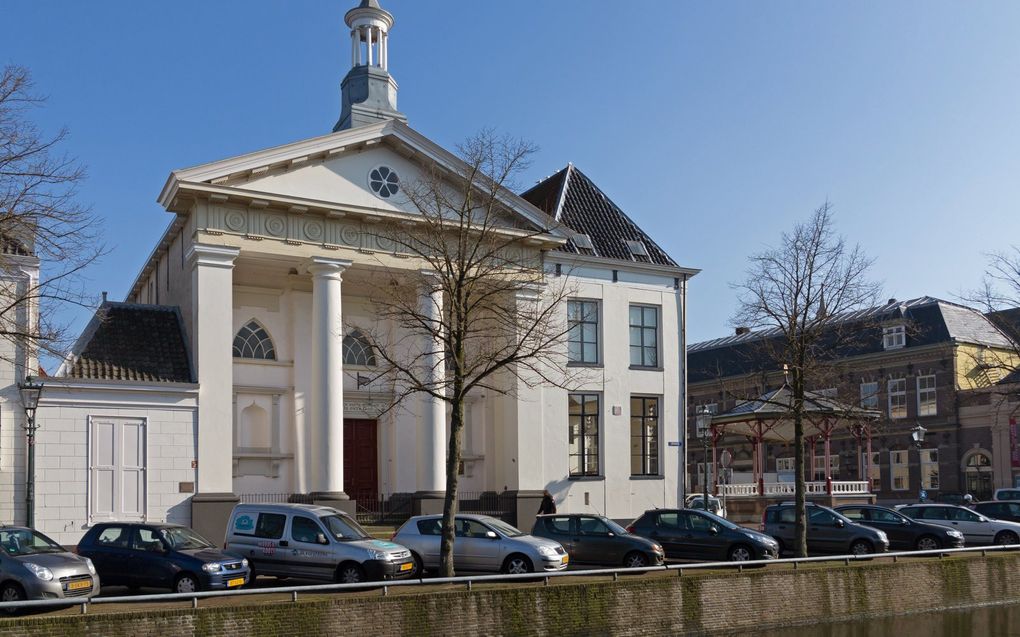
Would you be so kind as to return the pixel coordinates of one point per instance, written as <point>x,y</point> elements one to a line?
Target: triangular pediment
<point>348,170</point>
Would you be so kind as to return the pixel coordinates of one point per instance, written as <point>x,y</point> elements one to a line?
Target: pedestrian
<point>548,505</point>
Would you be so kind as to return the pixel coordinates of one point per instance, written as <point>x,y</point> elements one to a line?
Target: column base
<point>428,502</point>
<point>336,500</point>
<point>210,514</point>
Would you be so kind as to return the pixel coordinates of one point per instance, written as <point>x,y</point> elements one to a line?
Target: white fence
<point>788,488</point>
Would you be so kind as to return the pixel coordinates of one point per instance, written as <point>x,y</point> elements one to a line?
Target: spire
<point>369,93</point>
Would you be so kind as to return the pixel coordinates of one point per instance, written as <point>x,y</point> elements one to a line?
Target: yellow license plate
<point>237,581</point>
<point>406,567</point>
<point>566,558</point>
<point>77,586</point>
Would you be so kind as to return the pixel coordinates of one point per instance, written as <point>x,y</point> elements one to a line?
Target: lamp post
<point>703,422</point>
<point>30,393</point>
<point>917,437</point>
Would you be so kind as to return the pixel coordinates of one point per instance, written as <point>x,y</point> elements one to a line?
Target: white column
<point>433,410</point>
<point>384,51</point>
<point>212,306</point>
<point>327,391</point>
<point>355,48</point>
<point>368,40</point>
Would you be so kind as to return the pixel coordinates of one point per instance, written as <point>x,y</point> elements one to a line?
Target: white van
<point>305,541</point>
<point>1006,494</point>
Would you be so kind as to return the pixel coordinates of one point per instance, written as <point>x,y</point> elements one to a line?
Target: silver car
<point>976,528</point>
<point>482,543</point>
<point>32,566</point>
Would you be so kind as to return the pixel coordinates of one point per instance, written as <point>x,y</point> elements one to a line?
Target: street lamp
<point>917,435</point>
<point>703,422</point>
<point>30,393</point>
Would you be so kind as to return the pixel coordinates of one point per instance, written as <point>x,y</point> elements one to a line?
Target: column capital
<point>326,267</point>
<point>212,255</point>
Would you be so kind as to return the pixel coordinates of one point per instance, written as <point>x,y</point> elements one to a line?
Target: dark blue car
<point>160,556</point>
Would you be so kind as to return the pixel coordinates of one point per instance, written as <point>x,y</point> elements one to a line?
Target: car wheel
<point>350,573</point>
<point>861,547</point>
<point>517,564</point>
<point>12,592</point>
<point>419,566</point>
<point>928,543</point>
<point>635,559</point>
<point>740,553</point>
<point>1006,538</point>
<point>186,584</point>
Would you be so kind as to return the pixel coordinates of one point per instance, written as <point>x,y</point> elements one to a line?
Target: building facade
<point>270,267</point>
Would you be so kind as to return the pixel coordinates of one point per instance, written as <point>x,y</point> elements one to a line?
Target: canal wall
<point>653,604</point>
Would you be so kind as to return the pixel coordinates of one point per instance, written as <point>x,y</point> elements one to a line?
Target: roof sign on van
<point>244,523</point>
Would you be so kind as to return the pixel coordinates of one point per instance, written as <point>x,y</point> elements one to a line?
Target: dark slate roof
<point>574,200</point>
<point>779,402</point>
<point>132,342</point>
<point>929,320</point>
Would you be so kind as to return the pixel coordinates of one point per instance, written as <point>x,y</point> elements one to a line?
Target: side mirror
<point>904,521</point>
<point>491,535</point>
<point>840,524</point>
<point>610,534</point>
<point>714,530</point>
<point>321,539</point>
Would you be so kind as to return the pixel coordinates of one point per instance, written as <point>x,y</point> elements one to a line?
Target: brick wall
<point>650,605</point>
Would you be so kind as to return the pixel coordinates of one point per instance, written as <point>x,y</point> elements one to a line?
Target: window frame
<point>899,395</point>
<point>268,351</point>
<point>869,400</point>
<point>927,463</point>
<point>894,336</point>
<point>643,328</point>
<point>583,433</point>
<point>902,466</point>
<point>598,332</point>
<point>646,456</point>
<point>366,346</point>
<point>930,405</point>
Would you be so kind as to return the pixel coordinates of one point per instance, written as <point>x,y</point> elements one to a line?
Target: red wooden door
<point>361,469</point>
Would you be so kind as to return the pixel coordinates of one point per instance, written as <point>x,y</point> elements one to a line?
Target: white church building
<point>238,365</point>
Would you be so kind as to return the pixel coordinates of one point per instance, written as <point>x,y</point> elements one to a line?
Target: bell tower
<point>368,93</point>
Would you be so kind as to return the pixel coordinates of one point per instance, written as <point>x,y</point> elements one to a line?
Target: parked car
<point>482,543</point>
<point>594,539</point>
<point>699,535</point>
<point>827,531</point>
<point>904,534</point>
<point>976,528</point>
<point>1006,494</point>
<point>697,501</point>
<point>950,498</point>
<point>32,566</point>
<point>160,556</point>
<point>999,510</point>
<point>312,542</point>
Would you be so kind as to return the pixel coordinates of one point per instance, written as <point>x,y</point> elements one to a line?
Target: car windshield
<point>17,542</point>
<point>723,522</point>
<point>344,528</point>
<point>504,528</point>
<point>183,539</point>
<point>614,527</point>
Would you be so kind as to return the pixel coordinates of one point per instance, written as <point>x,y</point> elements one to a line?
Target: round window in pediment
<point>384,181</point>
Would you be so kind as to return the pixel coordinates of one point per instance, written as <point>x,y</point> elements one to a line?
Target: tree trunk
<point>800,500</point>
<point>446,566</point>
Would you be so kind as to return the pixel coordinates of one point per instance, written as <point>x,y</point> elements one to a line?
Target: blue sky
<point>714,125</point>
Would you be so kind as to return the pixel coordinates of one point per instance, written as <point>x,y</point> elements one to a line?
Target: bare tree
<point>999,298</point>
<point>482,315</point>
<point>799,290</point>
<point>40,219</point>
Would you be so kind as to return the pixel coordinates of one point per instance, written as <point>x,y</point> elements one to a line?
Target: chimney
<point>104,296</point>
<point>743,330</point>
<point>891,301</point>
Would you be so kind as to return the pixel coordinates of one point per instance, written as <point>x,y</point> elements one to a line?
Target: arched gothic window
<point>358,350</point>
<point>252,341</point>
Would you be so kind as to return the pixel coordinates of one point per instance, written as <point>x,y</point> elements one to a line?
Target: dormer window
<point>583,244</point>
<point>894,337</point>
<point>638,251</point>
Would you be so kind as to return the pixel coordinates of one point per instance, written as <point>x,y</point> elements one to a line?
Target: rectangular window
<point>897,388</point>
<point>644,336</point>
<point>927,403</point>
<point>894,337</point>
<point>898,470</point>
<point>875,471</point>
<point>644,436</point>
<point>869,395</point>
<point>930,469</point>
<point>784,465</point>
<point>583,332</point>
<point>117,487</point>
<point>820,467</point>
<point>584,434</point>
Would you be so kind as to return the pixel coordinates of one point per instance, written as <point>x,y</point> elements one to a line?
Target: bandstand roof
<point>770,416</point>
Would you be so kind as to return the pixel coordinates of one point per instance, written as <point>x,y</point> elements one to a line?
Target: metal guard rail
<point>468,581</point>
